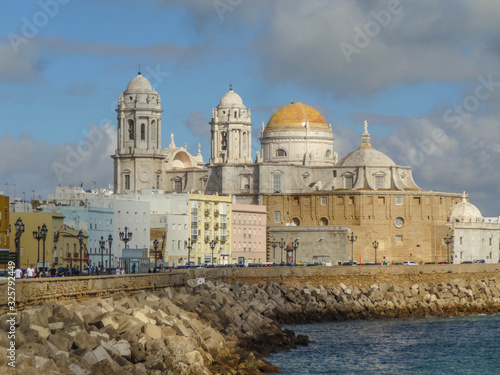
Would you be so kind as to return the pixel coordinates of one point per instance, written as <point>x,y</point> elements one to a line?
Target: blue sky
<point>409,68</point>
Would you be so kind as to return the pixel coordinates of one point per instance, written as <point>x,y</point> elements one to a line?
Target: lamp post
<point>448,240</point>
<point>295,245</point>
<point>37,235</point>
<point>110,241</point>
<point>126,236</point>
<point>155,245</point>
<point>273,244</point>
<point>189,247</point>
<point>282,245</point>
<point>43,232</point>
<point>102,244</point>
<point>212,246</point>
<point>375,246</point>
<point>352,239</point>
<point>80,240</point>
<point>19,225</point>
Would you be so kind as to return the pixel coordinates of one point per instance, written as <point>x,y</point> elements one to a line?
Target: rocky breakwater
<point>193,330</point>
<point>212,328</point>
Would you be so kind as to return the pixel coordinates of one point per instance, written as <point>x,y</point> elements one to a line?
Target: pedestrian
<point>117,271</point>
<point>53,271</point>
<point>122,271</point>
<point>19,273</point>
<point>38,273</point>
<point>30,272</point>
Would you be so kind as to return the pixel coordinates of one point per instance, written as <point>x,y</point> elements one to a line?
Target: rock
<point>152,331</point>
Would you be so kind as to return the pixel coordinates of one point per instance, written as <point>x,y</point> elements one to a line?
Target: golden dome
<point>295,116</point>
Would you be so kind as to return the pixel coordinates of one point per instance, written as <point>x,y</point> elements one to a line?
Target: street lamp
<point>155,245</point>
<point>282,245</point>
<point>273,244</point>
<point>102,244</point>
<point>189,247</point>
<point>80,240</point>
<point>37,235</point>
<point>212,246</point>
<point>110,241</point>
<point>375,246</point>
<point>44,231</point>
<point>448,240</point>
<point>295,245</point>
<point>19,225</point>
<point>352,239</point>
<point>126,236</point>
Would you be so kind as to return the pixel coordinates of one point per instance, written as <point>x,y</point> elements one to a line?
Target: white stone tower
<point>231,131</point>
<point>138,157</point>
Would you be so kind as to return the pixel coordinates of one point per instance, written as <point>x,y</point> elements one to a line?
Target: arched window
<point>280,152</point>
<point>143,132</point>
<point>324,222</point>
<point>328,154</point>
<point>296,222</point>
<point>130,129</point>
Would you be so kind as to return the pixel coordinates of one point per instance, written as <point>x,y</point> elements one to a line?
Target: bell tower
<point>138,157</point>
<point>231,131</point>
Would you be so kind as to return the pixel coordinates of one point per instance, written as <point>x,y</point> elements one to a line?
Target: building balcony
<point>194,223</point>
<point>207,225</point>
<point>216,212</point>
<point>194,210</point>
<point>207,211</point>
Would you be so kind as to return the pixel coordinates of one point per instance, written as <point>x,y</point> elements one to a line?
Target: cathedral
<point>308,191</point>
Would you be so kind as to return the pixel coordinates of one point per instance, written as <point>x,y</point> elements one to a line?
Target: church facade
<point>297,175</point>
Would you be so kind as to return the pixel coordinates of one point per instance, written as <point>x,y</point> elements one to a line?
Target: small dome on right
<point>465,212</point>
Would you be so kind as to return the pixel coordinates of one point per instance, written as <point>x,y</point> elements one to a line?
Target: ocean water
<point>459,345</point>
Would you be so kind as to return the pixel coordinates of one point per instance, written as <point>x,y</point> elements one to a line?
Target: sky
<point>424,74</point>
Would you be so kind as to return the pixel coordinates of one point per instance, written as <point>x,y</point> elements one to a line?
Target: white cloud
<point>37,165</point>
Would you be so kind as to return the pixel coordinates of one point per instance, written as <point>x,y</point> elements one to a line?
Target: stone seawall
<point>31,291</point>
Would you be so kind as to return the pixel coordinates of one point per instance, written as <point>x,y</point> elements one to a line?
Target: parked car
<point>64,271</point>
<point>466,262</point>
<point>86,271</point>
<point>410,263</point>
<point>480,261</point>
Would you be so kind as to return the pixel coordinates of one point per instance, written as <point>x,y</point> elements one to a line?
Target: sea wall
<point>212,328</point>
<point>32,291</point>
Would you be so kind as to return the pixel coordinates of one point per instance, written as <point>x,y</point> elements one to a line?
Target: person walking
<point>38,273</point>
<point>117,272</point>
<point>19,273</point>
<point>30,272</point>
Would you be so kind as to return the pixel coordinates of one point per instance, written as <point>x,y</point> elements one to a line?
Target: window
<point>324,222</point>
<point>157,181</point>
<point>127,182</point>
<point>328,154</point>
<point>381,200</point>
<point>398,222</point>
<point>173,226</point>
<point>399,239</point>
<point>351,200</point>
<point>130,129</point>
<point>349,182</point>
<point>277,218</point>
<point>143,132</point>
<point>280,152</point>
<point>296,201</point>
<point>379,182</point>
<point>399,201</point>
<point>277,182</point>
<point>323,201</point>
<point>178,186</point>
